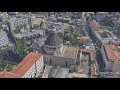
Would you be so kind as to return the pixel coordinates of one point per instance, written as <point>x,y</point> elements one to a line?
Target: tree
<point>41,24</point>
<point>20,47</point>
<point>17,30</point>
<point>71,29</point>
<point>68,37</point>
<point>87,18</point>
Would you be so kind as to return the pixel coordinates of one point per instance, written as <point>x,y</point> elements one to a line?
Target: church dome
<point>53,40</point>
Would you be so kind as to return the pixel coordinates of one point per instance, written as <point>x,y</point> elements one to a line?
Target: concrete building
<point>34,33</point>
<point>36,20</point>
<point>53,44</point>
<point>101,15</point>
<point>111,56</point>
<point>58,61</point>
<point>6,74</point>
<point>86,63</point>
<point>30,67</point>
<point>64,20</point>
<point>55,72</point>
<point>4,41</point>
<point>104,36</point>
<point>18,22</point>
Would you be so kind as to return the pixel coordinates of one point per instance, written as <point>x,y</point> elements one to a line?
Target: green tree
<point>20,47</point>
<point>68,37</point>
<point>17,30</point>
<point>71,29</point>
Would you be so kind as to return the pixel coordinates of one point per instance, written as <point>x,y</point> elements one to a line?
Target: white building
<point>17,22</point>
<point>30,67</point>
<point>3,39</point>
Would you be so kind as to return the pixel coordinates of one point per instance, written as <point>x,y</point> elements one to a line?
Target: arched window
<point>50,61</point>
<point>66,64</point>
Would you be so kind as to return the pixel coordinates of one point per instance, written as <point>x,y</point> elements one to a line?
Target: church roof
<point>53,40</point>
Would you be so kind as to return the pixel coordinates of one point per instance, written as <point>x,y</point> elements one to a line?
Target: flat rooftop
<point>85,64</point>
<point>62,73</point>
<point>47,71</point>
<point>2,34</point>
<point>55,72</point>
<point>70,52</point>
<point>28,34</point>
<point>104,35</point>
<point>77,75</point>
<point>92,53</point>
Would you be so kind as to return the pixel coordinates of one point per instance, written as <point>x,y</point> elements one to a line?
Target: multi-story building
<point>101,15</point>
<point>31,66</point>
<point>3,39</point>
<point>18,22</point>
<point>104,36</point>
<point>53,44</point>
<point>111,57</point>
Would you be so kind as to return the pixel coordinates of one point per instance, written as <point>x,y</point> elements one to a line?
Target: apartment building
<point>30,67</point>
<point>3,39</point>
<point>17,22</point>
<point>111,57</point>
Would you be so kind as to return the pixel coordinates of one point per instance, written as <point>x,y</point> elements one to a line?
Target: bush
<point>16,31</point>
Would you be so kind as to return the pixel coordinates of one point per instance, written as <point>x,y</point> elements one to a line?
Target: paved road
<point>100,61</point>
<point>99,58</point>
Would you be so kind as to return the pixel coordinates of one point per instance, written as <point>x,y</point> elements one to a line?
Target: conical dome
<point>53,40</point>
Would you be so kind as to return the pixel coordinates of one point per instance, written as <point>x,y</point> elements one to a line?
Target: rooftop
<point>62,73</point>
<point>6,74</point>
<point>35,45</point>
<point>94,26</point>
<point>93,72</point>
<point>29,34</point>
<point>26,63</point>
<point>77,75</point>
<point>55,72</point>
<point>85,64</point>
<point>2,34</point>
<point>53,40</point>
<point>70,52</point>
<point>46,71</point>
<point>92,56</point>
<point>113,55</point>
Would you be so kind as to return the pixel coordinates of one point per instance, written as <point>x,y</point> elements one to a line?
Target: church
<point>53,44</point>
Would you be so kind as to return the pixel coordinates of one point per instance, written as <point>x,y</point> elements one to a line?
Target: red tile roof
<point>6,74</point>
<point>93,72</point>
<point>91,53</point>
<point>94,26</point>
<point>26,63</point>
<point>117,75</point>
<point>111,52</point>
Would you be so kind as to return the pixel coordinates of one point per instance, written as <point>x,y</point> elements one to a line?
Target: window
<point>54,48</point>
<point>50,48</point>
